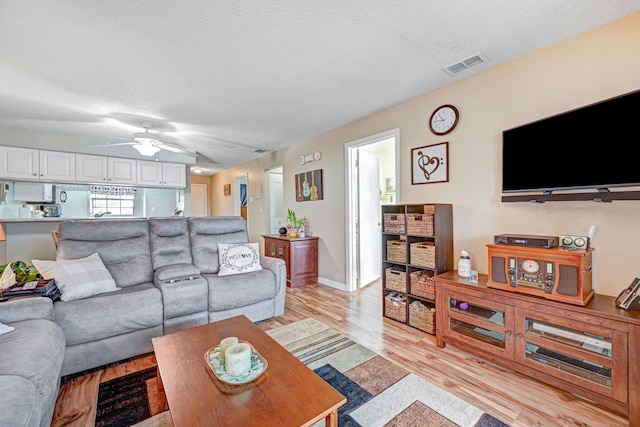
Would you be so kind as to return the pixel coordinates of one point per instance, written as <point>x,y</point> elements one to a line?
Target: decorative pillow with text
<point>237,258</point>
<point>78,278</point>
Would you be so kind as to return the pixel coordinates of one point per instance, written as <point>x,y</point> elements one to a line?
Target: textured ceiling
<point>227,77</point>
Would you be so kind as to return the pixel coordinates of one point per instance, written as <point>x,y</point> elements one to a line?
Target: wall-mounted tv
<point>597,146</point>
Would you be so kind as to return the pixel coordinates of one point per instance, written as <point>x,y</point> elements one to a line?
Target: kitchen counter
<point>56,219</point>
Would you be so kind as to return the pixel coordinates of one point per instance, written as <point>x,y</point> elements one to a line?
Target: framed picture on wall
<point>430,164</point>
<point>309,186</point>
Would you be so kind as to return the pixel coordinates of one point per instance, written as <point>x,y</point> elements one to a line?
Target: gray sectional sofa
<point>167,272</point>
<point>30,361</point>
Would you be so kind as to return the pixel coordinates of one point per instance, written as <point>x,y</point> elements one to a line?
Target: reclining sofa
<point>167,271</point>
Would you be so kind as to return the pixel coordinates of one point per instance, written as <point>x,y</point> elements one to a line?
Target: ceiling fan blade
<point>114,145</point>
<point>176,149</point>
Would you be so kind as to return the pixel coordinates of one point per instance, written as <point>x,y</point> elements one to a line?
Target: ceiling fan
<point>148,144</point>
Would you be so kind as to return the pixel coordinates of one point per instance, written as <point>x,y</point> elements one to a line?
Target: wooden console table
<point>300,255</point>
<point>591,351</point>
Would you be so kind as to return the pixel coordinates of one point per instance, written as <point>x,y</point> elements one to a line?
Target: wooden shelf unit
<point>300,255</point>
<point>591,351</point>
<point>440,234</point>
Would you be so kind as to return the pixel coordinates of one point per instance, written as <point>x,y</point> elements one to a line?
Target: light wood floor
<point>511,397</point>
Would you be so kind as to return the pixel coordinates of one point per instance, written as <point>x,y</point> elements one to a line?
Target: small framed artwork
<point>430,164</point>
<point>390,185</point>
<point>227,189</point>
<point>309,186</point>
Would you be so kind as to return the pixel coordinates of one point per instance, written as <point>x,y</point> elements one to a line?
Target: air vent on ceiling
<point>465,64</point>
<point>260,150</point>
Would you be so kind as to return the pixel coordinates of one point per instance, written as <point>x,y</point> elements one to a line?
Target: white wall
<point>591,67</point>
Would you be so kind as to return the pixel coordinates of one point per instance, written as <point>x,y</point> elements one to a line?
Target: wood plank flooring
<point>511,397</point>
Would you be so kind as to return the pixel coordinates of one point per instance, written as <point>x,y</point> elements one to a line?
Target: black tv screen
<point>597,146</point>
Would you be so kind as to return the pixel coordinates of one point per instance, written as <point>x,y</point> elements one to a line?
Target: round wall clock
<point>444,119</point>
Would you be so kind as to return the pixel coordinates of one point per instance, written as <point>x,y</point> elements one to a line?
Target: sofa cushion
<point>238,258</point>
<point>228,292</point>
<point>105,315</point>
<point>123,245</point>
<point>169,241</point>
<point>205,234</point>
<point>78,278</point>
<point>21,402</point>
<point>34,350</point>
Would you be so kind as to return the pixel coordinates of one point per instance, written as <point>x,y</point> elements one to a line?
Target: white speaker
<point>571,241</point>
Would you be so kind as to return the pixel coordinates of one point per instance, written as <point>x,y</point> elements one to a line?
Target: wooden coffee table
<point>287,394</point>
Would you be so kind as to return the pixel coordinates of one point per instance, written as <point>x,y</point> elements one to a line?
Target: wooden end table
<point>287,394</point>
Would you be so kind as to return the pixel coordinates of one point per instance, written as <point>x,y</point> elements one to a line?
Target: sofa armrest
<point>175,272</point>
<point>25,309</point>
<point>279,269</point>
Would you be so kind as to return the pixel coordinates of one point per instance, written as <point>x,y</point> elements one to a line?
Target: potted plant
<point>295,223</point>
<point>24,272</point>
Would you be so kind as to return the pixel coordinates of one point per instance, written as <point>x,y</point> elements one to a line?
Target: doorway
<point>371,171</point>
<point>240,203</point>
<point>274,179</point>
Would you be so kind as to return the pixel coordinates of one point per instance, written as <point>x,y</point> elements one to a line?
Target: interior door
<point>368,229</point>
<point>199,200</point>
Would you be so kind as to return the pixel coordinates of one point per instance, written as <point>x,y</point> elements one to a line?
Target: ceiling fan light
<point>146,149</point>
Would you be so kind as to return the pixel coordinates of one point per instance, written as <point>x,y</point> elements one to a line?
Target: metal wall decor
<point>430,164</point>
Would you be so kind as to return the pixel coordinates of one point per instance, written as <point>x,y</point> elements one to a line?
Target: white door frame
<point>241,179</point>
<point>349,148</point>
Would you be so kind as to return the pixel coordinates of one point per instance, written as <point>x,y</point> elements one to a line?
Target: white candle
<point>226,343</point>
<point>237,359</point>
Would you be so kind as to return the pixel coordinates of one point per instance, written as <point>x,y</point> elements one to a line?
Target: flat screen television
<point>593,147</point>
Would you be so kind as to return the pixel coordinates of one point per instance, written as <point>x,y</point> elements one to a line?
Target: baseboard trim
<point>332,284</point>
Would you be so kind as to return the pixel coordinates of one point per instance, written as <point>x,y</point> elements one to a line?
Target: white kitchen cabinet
<point>121,171</point>
<point>93,169</point>
<point>174,175</point>
<point>21,163</point>
<point>57,165</point>
<point>149,173</point>
<point>158,174</point>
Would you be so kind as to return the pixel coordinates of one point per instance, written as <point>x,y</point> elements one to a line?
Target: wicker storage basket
<point>420,224</point>
<point>395,279</point>
<point>397,250</point>
<point>422,317</point>
<point>422,285</point>
<point>423,254</point>
<point>395,306</point>
<point>394,223</point>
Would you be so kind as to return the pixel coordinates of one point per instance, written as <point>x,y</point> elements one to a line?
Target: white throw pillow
<point>236,258</point>
<point>78,278</point>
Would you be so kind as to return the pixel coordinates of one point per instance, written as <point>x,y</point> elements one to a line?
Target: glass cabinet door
<point>579,352</point>
<point>480,322</point>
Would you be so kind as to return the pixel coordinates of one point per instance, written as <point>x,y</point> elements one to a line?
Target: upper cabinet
<point>149,173</point>
<point>156,174</point>
<point>91,168</point>
<point>30,164</point>
<point>121,171</point>
<point>174,175</point>
<point>57,165</point>
<point>20,163</point>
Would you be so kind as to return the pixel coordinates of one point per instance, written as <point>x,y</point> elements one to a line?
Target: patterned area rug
<point>379,392</point>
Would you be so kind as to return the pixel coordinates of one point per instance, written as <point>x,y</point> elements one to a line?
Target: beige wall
<point>594,66</point>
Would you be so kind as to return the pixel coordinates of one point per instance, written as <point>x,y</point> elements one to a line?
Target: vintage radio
<point>560,274</point>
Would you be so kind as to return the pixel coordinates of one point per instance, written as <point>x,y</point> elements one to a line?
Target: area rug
<point>379,392</point>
